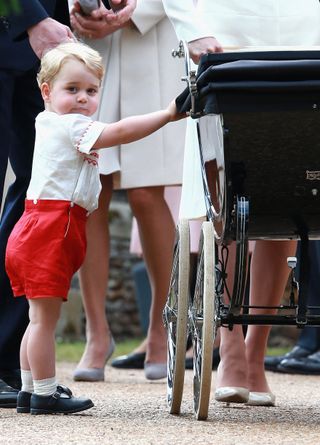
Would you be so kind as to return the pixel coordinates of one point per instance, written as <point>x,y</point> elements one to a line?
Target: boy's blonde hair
<point>54,59</point>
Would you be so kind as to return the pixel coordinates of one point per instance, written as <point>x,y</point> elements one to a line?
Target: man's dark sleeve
<point>31,12</point>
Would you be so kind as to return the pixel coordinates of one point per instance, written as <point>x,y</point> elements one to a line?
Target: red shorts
<point>46,247</point>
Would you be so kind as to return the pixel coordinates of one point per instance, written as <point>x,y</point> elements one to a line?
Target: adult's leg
<point>242,363</point>
<point>232,369</point>
<point>157,232</point>
<point>310,335</point>
<point>17,138</point>
<point>309,338</point>
<point>269,275</point>
<point>94,274</point>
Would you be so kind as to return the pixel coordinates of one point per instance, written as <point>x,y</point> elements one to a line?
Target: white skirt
<point>245,23</point>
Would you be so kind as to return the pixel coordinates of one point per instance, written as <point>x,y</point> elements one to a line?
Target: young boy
<point>47,245</point>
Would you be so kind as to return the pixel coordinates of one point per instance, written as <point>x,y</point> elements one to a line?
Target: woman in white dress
<point>140,76</point>
<point>275,23</point>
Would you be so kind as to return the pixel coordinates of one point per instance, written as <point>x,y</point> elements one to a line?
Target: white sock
<point>45,387</point>
<point>27,381</point>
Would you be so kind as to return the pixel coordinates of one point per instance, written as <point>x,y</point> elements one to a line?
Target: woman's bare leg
<point>269,276</point>
<point>232,369</point>
<point>157,232</point>
<point>94,275</point>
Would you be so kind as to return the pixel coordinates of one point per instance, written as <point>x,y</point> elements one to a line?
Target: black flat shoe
<point>309,365</point>
<point>23,402</point>
<point>11,377</point>
<point>271,363</point>
<point>61,402</point>
<point>135,360</point>
<point>8,396</point>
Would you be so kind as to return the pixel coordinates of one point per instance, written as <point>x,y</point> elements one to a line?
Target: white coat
<point>142,76</point>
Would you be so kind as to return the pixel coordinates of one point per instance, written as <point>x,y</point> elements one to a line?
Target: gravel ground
<point>130,410</point>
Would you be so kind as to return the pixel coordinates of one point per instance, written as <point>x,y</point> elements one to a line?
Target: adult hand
<point>205,45</point>
<point>93,26</point>
<point>121,12</point>
<point>47,34</point>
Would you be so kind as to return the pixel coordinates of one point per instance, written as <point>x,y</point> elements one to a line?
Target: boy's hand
<point>173,112</point>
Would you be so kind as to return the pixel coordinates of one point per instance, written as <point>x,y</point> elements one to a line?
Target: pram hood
<point>235,82</point>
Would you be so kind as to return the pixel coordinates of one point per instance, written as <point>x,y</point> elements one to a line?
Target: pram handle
<point>190,76</point>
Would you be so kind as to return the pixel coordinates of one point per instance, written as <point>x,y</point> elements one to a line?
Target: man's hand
<point>205,45</point>
<point>47,34</point>
<point>122,11</point>
<point>93,26</point>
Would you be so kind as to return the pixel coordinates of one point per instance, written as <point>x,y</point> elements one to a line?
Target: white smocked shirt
<point>65,167</point>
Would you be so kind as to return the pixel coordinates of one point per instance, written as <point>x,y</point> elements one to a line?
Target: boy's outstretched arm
<point>134,128</point>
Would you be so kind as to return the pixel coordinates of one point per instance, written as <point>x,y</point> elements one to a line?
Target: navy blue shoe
<point>61,402</point>
<point>23,402</point>
<point>8,396</point>
<point>12,377</point>
<point>272,363</point>
<point>309,365</point>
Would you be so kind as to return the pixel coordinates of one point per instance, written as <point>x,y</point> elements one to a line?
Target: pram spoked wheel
<point>175,317</point>
<point>202,321</point>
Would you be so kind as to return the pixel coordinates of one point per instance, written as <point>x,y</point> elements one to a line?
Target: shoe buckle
<point>56,395</point>
<point>54,398</point>
<point>64,389</point>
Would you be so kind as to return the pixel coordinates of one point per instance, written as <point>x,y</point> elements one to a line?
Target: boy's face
<point>75,89</point>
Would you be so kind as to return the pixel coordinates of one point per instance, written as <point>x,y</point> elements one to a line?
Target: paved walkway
<point>130,410</point>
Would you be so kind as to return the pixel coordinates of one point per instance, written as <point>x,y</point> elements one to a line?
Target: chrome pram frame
<point>229,218</point>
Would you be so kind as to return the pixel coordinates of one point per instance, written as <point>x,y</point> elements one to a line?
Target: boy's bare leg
<point>44,314</point>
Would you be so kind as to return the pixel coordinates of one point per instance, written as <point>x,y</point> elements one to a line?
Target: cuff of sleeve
<point>90,136</point>
<point>196,30</point>
<point>20,22</point>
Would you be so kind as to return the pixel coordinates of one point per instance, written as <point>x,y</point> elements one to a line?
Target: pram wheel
<point>175,316</point>
<point>202,321</point>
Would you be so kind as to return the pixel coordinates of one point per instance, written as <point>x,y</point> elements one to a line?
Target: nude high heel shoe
<point>93,374</point>
<point>232,394</point>
<point>261,399</point>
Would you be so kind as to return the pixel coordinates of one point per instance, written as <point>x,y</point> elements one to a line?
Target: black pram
<point>263,184</point>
